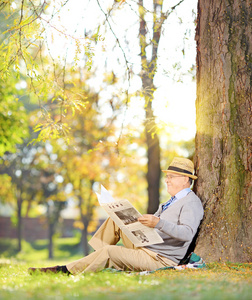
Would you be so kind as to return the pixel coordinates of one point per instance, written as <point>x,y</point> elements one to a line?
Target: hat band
<point>179,170</point>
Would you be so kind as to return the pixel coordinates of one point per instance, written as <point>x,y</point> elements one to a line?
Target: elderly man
<point>176,221</point>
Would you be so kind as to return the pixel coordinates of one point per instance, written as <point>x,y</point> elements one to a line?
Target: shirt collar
<point>182,193</point>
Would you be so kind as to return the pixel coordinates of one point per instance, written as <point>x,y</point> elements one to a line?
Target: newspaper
<point>126,217</point>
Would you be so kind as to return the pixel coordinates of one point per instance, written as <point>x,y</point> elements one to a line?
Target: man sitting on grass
<point>176,221</point>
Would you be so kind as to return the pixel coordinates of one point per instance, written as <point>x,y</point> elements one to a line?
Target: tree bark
<point>223,139</point>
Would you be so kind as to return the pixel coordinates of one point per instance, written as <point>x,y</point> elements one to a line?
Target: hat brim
<point>180,173</point>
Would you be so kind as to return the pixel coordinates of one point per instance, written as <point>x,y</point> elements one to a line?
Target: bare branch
<point>22,11</point>
<point>116,38</point>
<point>177,4</point>
<point>107,15</point>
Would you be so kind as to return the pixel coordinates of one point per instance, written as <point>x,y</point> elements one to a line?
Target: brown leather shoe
<point>43,270</point>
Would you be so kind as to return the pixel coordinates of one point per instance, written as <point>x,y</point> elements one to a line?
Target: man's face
<point>175,183</point>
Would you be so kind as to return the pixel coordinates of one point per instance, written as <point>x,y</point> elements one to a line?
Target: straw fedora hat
<point>182,166</point>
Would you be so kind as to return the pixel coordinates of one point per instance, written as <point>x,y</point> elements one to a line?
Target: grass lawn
<point>216,281</point>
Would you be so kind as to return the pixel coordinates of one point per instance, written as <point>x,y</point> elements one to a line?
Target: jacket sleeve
<point>187,224</point>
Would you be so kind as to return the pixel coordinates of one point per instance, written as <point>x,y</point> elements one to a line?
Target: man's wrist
<point>158,219</point>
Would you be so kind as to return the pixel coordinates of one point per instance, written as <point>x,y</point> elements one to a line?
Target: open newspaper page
<point>124,214</point>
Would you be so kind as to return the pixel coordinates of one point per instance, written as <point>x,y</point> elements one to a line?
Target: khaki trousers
<point>108,255</point>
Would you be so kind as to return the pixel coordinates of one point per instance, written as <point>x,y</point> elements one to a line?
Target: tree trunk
<point>153,154</point>
<point>50,238</point>
<point>147,76</point>
<point>84,237</point>
<point>19,223</point>
<point>223,139</point>
<point>83,241</point>
<point>53,214</point>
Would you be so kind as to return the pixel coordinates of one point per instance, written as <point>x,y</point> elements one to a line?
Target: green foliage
<point>13,119</point>
<point>25,53</point>
<point>50,130</point>
<point>6,189</point>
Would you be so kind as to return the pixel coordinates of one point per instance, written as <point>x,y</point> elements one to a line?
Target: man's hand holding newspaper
<point>149,220</point>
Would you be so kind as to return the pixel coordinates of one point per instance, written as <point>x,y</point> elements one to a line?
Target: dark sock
<point>63,269</point>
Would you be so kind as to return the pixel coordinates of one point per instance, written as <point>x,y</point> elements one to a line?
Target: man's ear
<point>187,181</point>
